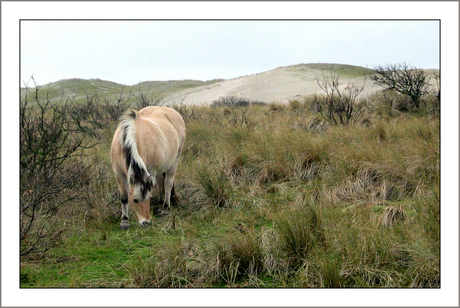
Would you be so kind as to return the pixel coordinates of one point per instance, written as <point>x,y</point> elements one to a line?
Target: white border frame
<point>12,12</point>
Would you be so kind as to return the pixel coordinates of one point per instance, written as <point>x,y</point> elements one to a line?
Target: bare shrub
<point>89,117</point>
<point>189,112</point>
<point>404,79</point>
<point>231,101</point>
<point>144,99</point>
<point>236,111</point>
<point>50,169</point>
<point>339,105</point>
<point>43,196</point>
<point>116,108</point>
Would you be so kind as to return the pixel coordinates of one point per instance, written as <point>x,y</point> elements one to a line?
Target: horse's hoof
<point>124,225</point>
<point>163,212</point>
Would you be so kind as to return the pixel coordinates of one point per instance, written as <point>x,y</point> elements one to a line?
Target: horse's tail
<point>134,162</point>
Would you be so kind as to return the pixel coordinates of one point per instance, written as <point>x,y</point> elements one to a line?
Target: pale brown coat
<point>145,151</point>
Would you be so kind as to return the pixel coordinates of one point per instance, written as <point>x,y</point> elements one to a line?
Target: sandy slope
<point>278,85</point>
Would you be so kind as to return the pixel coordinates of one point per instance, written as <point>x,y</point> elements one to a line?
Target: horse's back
<point>163,117</point>
<point>163,129</point>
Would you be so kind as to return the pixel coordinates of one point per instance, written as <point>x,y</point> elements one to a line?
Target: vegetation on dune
<point>270,195</point>
<point>79,89</point>
<point>343,70</point>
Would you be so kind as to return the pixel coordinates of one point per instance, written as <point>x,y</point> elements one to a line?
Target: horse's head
<point>140,192</point>
<point>140,188</point>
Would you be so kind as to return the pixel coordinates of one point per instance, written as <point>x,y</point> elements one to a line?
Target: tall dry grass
<point>291,205</point>
<point>287,199</point>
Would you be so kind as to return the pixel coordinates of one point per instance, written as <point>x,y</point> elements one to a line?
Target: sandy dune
<point>278,85</point>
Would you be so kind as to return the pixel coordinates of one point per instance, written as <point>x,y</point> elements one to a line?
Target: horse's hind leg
<point>158,203</point>
<point>174,199</point>
<point>123,185</point>
<point>169,187</point>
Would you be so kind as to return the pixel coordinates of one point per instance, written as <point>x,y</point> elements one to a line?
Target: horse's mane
<point>134,162</point>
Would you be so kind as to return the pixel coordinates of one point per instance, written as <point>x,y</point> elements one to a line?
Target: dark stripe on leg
<point>174,199</point>
<point>124,224</point>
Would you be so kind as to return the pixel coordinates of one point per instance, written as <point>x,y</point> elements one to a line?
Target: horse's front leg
<point>123,185</point>
<point>124,224</point>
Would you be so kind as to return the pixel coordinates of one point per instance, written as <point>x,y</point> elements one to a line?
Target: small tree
<point>339,105</point>
<point>404,79</point>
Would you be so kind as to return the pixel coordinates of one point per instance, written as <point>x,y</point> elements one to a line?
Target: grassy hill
<point>79,88</point>
<point>169,90</point>
<point>277,85</point>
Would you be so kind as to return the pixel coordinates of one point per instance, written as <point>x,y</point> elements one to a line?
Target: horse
<point>145,153</point>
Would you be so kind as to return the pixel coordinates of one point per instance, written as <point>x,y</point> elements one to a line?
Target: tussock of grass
<point>239,254</point>
<point>215,185</point>
<point>299,233</point>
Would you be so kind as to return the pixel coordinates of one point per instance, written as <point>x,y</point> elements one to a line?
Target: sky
<point>131,51</point>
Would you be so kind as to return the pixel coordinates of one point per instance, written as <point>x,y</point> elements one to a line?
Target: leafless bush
<point>404,79</point>
<point>189,112</point>
<point>231,101</point>
<point>145,99</point>
<point>43,194</point>
<point>339,105</point>
<point>89,117</point>
<point>50,145</point>
<point>238,117</point>
<point>237,109</point>
<point>116,108</point>
<point>96,112</point>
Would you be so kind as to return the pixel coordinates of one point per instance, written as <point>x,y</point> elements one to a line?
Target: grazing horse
<point>145,152</point>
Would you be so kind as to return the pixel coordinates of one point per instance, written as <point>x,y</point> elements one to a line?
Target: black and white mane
<point>137,171</point>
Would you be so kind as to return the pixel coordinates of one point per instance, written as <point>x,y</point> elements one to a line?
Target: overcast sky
<point>128,52</point>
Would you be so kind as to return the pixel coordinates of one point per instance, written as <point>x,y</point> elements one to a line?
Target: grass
<point>343,70</point>
<point>274,203</point>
